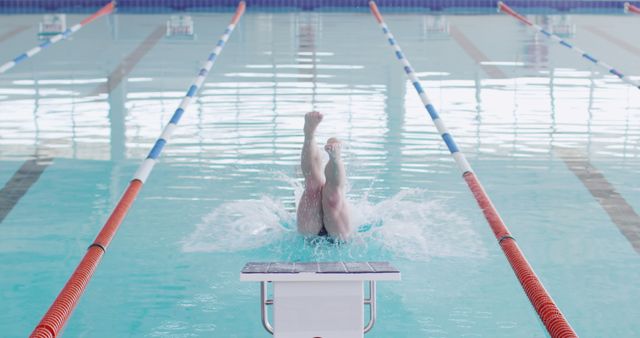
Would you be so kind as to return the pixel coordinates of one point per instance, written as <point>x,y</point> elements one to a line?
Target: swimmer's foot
<point>333,148</point>
<point>311,122</point>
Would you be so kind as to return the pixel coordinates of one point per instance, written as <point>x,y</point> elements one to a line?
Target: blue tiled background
<point>482,6</point>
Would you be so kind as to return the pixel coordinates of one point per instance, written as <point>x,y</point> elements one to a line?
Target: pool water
<point>225,189</point>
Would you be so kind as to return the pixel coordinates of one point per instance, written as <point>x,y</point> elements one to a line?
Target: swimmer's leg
<point>335,206</point>
<point>310,206</point>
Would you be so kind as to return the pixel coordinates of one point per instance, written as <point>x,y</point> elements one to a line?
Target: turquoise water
<point>224,191</point>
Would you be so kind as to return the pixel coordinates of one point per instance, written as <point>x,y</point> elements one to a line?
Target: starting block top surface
<point>318,271</point>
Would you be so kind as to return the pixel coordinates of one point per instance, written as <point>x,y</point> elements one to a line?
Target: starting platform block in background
<point>180,27</point>
<point>52,24</point>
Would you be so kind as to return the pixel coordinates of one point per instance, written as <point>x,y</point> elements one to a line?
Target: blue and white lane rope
<point>442,129</point>
<point>68,32</point>
<point>504,8</point>
<point>147,165</point>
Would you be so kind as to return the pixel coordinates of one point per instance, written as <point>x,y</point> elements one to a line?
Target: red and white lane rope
<point>630,8</point>
<point>549,313</point>
<point>60,311</point>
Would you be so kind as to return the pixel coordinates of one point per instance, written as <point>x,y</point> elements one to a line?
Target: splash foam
<point>409,225</point>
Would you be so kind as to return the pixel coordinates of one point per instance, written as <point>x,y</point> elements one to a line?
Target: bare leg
<point>335,206</point>
<point>310,206</point>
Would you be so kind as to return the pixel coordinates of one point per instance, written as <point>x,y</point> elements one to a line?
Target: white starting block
<point>562,26</point>
<point>318,300</point>
<point>52,24</point>
<point>180,27</point>
<point>435,27</point>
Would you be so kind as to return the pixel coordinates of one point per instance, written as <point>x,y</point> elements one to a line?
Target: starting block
<point>180,27</point>
<point>52,24</point>
<point>435,27</point>
<point>318,299</point>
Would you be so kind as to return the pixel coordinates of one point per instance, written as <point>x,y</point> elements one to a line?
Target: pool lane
<point>46,232</point>
<point>51,87</point>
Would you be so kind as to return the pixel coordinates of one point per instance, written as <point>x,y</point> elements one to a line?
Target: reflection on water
<point>257,105</point>
<point>514,117</point>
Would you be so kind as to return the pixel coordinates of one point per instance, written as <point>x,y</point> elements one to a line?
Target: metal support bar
<point>263,307</point>
<point>372,306</point>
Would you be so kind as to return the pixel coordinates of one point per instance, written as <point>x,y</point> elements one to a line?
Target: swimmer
<point>323,207</point>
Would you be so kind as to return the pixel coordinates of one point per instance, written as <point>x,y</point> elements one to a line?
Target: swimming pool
<point>524,111</point>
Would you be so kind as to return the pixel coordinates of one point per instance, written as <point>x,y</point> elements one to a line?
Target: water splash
<point>415,226</point>
<point>240,225</point>
<point>409,225</point>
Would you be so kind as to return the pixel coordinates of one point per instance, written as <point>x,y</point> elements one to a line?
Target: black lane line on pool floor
<point>476,54</point>
<point>614,40</point>
<point>620,212</point>
<point>8,35</point>
<point>19,184</point>
<point>130,61</point>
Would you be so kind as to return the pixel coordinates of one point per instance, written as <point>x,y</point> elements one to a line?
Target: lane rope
<point>107,9</point>
<point>60,311</point>
<point>630,8</point>
<point>547,310</point>
<point>502,7</point>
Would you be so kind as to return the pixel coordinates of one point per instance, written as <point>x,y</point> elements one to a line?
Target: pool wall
<point>466,6</point>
